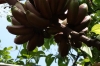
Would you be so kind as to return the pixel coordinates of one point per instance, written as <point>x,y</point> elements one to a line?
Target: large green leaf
<point>49,59</point>
<point>87,50</point>
<point>37,58</point>
<point>96,29</point>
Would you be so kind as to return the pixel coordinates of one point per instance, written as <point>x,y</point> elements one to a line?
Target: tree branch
<point>74,64</point>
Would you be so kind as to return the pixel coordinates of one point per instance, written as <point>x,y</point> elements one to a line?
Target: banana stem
<point>79,36</point>
<point>74,64</point>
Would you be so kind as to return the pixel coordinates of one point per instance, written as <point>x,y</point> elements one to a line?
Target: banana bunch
<point>77,19</point>
<point>25,26</point>
<point>39,19</point>
<point>33,21</point>
<point>31,36</point>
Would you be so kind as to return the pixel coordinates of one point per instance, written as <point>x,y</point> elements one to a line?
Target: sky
<point>7,39</point>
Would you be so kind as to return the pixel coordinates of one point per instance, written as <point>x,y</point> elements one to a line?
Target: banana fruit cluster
<point>39,19</point>
<point>24,28</point>
<point>78,20</point>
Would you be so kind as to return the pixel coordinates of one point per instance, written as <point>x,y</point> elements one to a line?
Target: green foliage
<point>9,18</point>
<point>5,55</point>
<point>48,42</point>
<point>49,59</point>
<point>87,50</point>
<point>96,29</point>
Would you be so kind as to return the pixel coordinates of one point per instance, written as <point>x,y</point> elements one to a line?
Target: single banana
<point>44,8</point>
<point>63,48</point>
<point>83,24</point>
<point>58,38</point>
<point>31,8</point>
<point>73,6</point>
<point>14,21</point>
<point>65,7</point>
<point>63,13</point>
<point>36,21</point>
<point>41,40</point>
<point>36,4</point>
<point>61,5</point>
<point>53,5</point>
<point>20,16</point>
<point>19,30</point>
<point>20,39</point>
<point>83,9</point>
<point>31,45</point>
